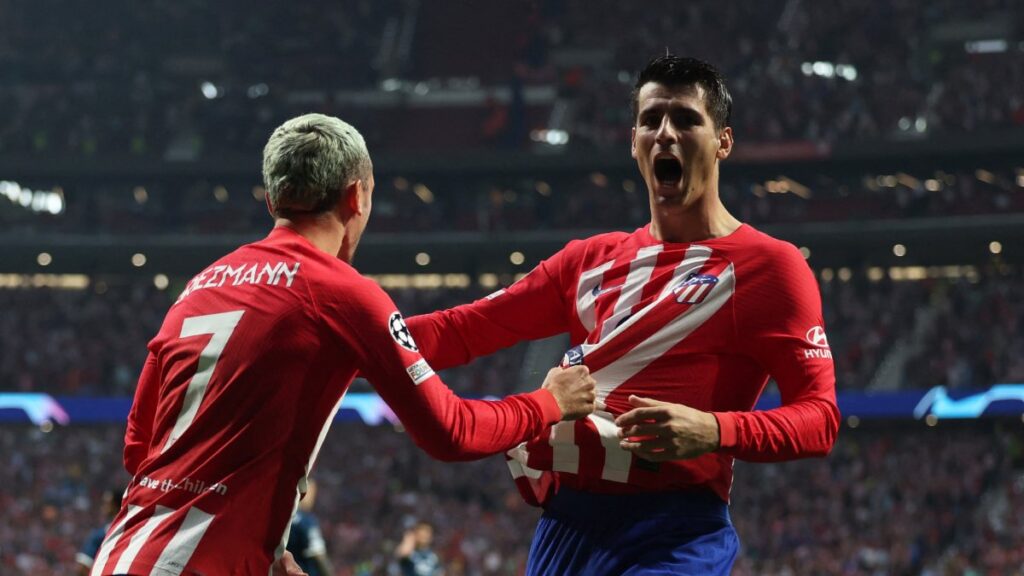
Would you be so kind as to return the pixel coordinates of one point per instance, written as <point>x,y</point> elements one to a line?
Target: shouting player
<point>682,323</point>
<point>252,361</point>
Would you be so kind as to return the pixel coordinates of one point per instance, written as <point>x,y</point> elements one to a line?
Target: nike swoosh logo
<point>597,290</point>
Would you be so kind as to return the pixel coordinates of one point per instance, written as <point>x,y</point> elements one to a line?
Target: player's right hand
<point>574,390</point>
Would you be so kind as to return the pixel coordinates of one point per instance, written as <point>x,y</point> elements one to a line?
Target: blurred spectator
<point>187,80</point>
<point>93,341</point>
<point>966,334</point>
<point>891,499</point>
<point>455,202</point>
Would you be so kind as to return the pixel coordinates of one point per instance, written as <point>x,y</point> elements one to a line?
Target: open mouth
<point>668,170</point>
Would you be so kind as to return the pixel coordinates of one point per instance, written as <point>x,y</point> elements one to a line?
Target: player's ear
<point>725,143</point>
<point>632,142</point>
<point>270,207</point>
<point>353,196</point>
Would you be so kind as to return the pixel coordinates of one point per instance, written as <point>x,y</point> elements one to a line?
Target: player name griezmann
<point>270,274</point>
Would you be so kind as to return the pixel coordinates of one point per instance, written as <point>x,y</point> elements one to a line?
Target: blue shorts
<point>633,534</point>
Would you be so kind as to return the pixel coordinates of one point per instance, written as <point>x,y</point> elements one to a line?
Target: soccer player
<point>682,322</point>
<point>251,364</point>
<point>110,504</point>
<point>305,540</point>
<point>414,552</point>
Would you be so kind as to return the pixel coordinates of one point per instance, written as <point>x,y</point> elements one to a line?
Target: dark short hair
<point>674,71</point>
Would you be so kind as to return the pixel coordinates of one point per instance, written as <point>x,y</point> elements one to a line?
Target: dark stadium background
<point>886,139</point>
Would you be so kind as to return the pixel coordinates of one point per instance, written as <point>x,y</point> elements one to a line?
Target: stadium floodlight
<point>209,90</point>
<point>990,46</point>
<point>257,90</point>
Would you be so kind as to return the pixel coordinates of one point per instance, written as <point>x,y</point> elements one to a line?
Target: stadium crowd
<point>856,513</point>
<point>187,79</point>
<point>495,204</point>
<point>90,342</point>
<point>975,336</point>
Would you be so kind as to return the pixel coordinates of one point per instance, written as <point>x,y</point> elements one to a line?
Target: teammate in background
<point>682,322</point>
<point>110,503</point>
<point>305,540</point>
<point>250,366</point>
<point>414,553</point>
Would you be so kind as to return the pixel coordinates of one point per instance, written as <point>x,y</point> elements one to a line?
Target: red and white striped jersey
<point>237,394</point>
<point>702,324</point>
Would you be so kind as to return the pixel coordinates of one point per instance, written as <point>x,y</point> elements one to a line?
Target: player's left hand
<point>660,431</point>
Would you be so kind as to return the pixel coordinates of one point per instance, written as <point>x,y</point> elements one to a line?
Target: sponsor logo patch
<point>695,288</point>
<point>419,371</point>
<point>816,337</point>
<point>400,332</point>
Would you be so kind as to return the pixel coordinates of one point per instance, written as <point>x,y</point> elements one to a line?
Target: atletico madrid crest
<point>695,288</point>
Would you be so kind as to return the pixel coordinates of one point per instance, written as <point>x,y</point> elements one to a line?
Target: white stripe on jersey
<point>565,454</point>
<point>585,296</point>
<point>138,540</point>
<point>179,550</point>
<point>629,364</point>
<point>694,259</point>
<point>519,456</point>
<point>616,460</point>
<point>640,271</point>
<point>111,541</point>
<point>685,293</point>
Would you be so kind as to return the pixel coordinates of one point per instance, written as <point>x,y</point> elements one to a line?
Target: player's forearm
<point>803,429</point>
<point>472,429</point>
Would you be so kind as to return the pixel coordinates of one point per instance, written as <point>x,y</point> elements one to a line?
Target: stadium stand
<point>888,150</point>
<point>856,513</point>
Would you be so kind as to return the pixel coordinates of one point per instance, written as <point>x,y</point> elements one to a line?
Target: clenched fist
<point>573,389</point>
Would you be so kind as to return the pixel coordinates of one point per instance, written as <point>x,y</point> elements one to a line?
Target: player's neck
<point>708,219</point>
<point>322,231</point>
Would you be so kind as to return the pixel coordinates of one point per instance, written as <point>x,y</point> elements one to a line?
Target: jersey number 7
<point>221,326</point>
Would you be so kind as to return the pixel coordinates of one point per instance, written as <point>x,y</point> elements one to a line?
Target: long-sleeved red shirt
<point>703,324</point>
<point>240,387</point>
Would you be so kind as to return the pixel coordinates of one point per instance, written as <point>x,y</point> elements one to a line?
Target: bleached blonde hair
<point>309,160</point>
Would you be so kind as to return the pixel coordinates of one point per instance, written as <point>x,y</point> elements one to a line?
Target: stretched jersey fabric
<point>702,324</point>
<point>237,394</point>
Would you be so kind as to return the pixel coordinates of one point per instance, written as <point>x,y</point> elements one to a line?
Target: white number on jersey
<point>221,326</point>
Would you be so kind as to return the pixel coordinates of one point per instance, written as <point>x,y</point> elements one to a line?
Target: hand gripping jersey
<point>237,394</point>
<point>703,324</point>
